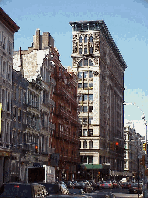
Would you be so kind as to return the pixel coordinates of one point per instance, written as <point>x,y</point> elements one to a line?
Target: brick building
<point>58,102</point>
<point>65,137</point>
<point>100,69</point>
<point>7,29</point>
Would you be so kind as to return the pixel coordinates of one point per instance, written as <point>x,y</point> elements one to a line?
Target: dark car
<point>107,184</point>
<point>134,188</point>
<point>22,190</point>
<point>125,185</point>
<point>52,188</point>
<point>69,184</point>
<point>115,184</point>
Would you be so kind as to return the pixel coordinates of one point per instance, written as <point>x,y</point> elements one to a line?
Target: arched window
<point>85,39</point>
<point>80,39</point>
<point>80,50</point>
<point>90,62</point>
<point>91,39</point>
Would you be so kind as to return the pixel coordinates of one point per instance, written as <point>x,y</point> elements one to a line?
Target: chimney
<point>37,40</point>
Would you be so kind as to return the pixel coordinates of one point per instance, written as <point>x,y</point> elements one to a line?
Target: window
<point>90,108</point>
<point>85,96</point>
<point>90,144</point>
<point>90,120</point>
<point>90,159</point>
<point>80,63</point>
<point>91,85</point>
<point>80,39</point>
<point>85,144</point>
<point>91,39</point>
<point>84,120</point>
<point>83,159</point>
<point>79,85</point>
<point>90,132</point>
<point>80,74</point>
<point>84,109</point>
<point>90,74</point>
<point>85,62</point>
<point>85,74</point>
<point>90,62</point>
<point>85,39</point>
<point>85,85</point>
<point>90,97</point>
<point>84,132</point>
<point>85,50</point>
<point>91,50</point>
<point>80,50</point>
<point>19,115</point>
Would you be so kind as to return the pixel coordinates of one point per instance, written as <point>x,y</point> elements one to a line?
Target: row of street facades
<point>71,119</point>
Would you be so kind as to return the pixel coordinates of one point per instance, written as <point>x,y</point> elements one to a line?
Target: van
<point>22,190</point>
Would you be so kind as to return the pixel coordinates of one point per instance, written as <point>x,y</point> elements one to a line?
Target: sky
<point>126,20</point>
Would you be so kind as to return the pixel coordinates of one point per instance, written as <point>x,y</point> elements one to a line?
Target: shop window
<point>90,159</point>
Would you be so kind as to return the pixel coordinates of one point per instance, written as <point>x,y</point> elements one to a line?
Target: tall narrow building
<point>100,68</point>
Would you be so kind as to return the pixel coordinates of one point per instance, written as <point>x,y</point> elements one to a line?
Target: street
<point>113,193</point>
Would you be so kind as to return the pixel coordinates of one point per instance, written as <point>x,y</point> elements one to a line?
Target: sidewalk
<point>119,195</point>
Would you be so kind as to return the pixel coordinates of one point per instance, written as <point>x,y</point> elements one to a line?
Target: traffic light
<point>36,149</point>
<point>117,145</point>
<point>144,146</point>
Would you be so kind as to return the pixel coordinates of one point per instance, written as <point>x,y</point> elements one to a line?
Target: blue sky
<point>126,20</point>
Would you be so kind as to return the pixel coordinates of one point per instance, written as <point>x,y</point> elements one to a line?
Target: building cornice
<point>8,22</point>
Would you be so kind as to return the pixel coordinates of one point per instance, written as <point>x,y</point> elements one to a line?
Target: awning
<point>93,166</point>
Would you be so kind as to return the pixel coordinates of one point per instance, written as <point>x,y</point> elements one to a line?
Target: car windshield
<point>135,185</point>
<point>23,191</point>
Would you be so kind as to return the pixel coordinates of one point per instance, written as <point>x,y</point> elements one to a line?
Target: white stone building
<point>100,69</point>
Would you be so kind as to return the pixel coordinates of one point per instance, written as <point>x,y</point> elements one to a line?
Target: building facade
<point>100,69</point>
<point>133,153</point>
<point>36,64</point>
<point>7,29</point>
<point>65,117</point>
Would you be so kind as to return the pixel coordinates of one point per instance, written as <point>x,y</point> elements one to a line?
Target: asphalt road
<point>113,193</point>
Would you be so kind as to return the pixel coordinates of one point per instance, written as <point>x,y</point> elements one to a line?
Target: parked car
<point>115,184</point>
<point>69,184</point>
<point>106,184</point>
<point>99,185</point>
<point>134,188</point>
<point>93,184</point>
<point>125,185</point>
<point>23,190</point>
